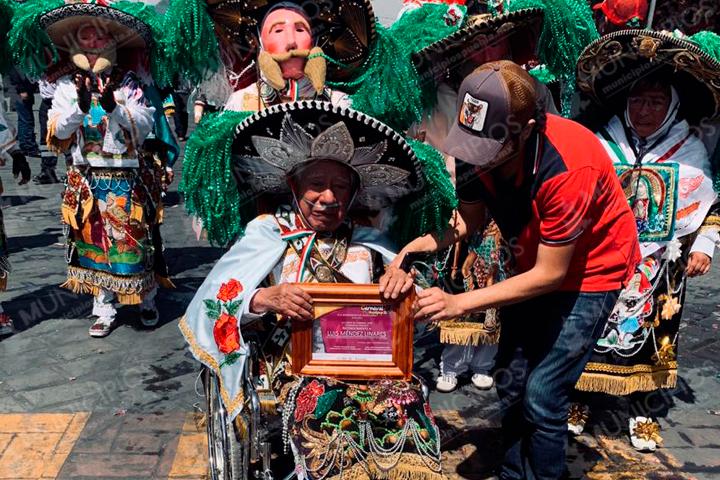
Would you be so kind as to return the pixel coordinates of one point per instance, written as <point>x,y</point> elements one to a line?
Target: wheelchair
<point>241,450</point>
<point>250,448</point>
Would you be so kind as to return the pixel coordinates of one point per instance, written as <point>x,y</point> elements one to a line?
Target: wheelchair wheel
<point>228,454</point>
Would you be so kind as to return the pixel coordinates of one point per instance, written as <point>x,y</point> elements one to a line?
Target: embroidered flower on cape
<point>223,312</point>
<point>673,250</point>
<point>226,333</point>
<point>307,399</point>
<point>230,290</point>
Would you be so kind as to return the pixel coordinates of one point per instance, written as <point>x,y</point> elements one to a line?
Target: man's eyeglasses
<point>653,104</point>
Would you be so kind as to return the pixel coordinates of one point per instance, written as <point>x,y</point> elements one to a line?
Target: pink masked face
<point>91,39</point>
<point>285,30</point>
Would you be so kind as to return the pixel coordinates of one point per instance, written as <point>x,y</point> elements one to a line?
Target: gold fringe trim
<point>615,385</point>
<point>410,467</point>
<point>128,290</point>
<point>593,367</point>
<point>230,404</point>
<point>55,144</point>
<point>467,333</point>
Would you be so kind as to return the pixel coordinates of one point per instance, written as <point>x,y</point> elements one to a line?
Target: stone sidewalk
<point>125,406</point>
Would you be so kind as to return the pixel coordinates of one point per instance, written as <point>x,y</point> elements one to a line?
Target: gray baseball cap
<point>494,103</point>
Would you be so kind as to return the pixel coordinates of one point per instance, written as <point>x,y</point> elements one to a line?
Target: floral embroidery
<point>223,312</point>
<point>307,399</point>
<point>227,336</point>
<point>228,291</point>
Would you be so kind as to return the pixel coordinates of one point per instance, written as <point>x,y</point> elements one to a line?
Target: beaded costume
<point>668,180</point>
<point>335,429</point>
<point>112,205</point>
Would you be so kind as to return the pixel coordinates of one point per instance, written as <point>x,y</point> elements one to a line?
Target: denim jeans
<point>544,346</point>
<point>26,126</point>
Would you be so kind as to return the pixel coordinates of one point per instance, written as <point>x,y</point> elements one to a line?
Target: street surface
<point>126,406</point>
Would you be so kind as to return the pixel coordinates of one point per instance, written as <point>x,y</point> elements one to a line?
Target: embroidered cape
<point>217,310</point>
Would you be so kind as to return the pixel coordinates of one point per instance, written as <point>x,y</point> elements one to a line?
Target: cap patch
<point>473,113</point>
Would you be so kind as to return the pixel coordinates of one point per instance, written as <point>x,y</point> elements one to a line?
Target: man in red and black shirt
<point>551,188</point>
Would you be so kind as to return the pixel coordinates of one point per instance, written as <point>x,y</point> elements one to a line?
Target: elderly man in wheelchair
<point>331,166</point>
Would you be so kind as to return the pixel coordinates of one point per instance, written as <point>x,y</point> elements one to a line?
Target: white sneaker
<point>101,327</point>
<point>482,381</point>
<point>446,383</point>
<point>644,434</point>
<point>577,417</point>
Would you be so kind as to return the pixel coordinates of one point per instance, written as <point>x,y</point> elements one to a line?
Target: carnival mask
<point>94,49</point>
<point>287,51</point>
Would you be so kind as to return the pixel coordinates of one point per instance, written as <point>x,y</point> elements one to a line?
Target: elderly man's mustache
<point>322,207</point>
<point>315,67</point>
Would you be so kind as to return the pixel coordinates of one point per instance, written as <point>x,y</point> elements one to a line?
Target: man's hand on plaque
<point>435,305</point>
<point>288,300</point>
<point>395,282</point>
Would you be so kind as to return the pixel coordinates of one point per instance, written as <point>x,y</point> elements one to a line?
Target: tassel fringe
<point>625,385</point>
<point>128,290</point>
<point>410,467</point>
<point>467,333</point>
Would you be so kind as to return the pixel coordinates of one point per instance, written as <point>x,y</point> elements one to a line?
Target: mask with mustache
<point>315,67</point>
<point>106,58</point>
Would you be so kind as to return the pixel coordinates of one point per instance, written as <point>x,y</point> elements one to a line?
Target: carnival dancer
<point>333,163</point>
<point>101,116</point>
<point>273,53</point>
<point>290,63</point>
<point>667,178</point>
<point>550,186</point>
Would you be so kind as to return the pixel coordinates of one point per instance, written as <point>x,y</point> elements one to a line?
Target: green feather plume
<point>708,42</point>
<point>568,27</point>
<point>390,88</point>
<point>191,40</point>
<point>160,63</point>
<point>429,209</point>
<point>27,41</point>
<point>208,185</point>
<point>6,13</point>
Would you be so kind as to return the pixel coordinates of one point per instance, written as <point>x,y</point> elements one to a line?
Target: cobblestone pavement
<point>126,406</point>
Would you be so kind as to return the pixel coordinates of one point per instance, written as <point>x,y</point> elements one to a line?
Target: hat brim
<point>521,28</point>
<point>344,29</point>
<point>609,66</point>
<point>469,148</point>
<point>315,116</point>
<point>128,31</point>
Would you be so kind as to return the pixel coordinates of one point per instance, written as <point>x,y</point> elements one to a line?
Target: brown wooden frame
<point>347,294</point>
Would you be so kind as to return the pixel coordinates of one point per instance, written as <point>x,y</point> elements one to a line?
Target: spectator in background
<point>49,159</point>
<point>23,95</point>
<point>181,118</point>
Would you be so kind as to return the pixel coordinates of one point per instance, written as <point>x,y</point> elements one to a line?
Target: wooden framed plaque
<point>355,334</point>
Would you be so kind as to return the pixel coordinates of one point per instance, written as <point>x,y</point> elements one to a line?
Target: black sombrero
<point>129,31</point>
<point>522,28</point>
<point>609,66</point>
<point>344,29</point>
<point>274,143</point>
